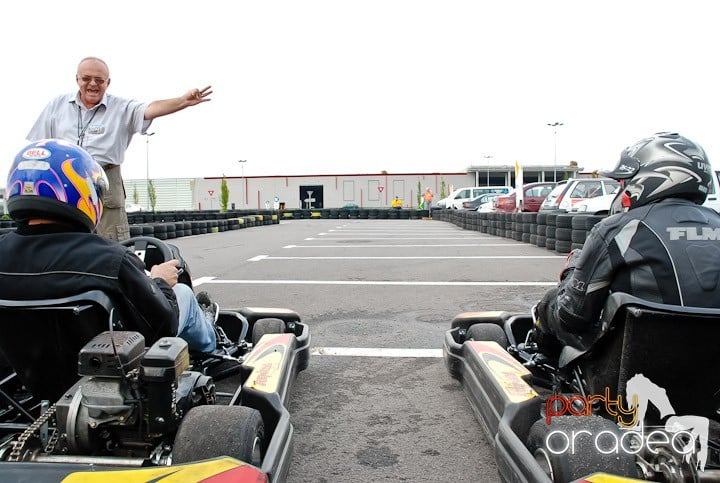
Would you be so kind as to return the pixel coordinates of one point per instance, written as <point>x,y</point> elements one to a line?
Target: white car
<point>456,198</point>
<point>132,207</point>
<point>600,205</point>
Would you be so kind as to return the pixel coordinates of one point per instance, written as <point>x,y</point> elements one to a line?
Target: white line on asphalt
<point>201,280</point>
<point>374,352</point>
<point>412,246</point>
<point>376,282</point>
<point>406,238</point>
<point>442,257</point>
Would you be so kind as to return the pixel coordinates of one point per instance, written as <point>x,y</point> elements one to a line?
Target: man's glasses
<point>98,80</point>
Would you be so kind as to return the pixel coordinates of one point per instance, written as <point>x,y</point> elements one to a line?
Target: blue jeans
<point>193,326</point>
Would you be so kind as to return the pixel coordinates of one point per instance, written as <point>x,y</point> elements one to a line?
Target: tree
<point>442,188</point>
<point>136,196</point>
<point>419,194</point>
<point>151,194</point>
<point>224,195</point>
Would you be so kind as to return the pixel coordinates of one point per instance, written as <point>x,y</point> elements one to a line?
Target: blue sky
<point>311,87</point>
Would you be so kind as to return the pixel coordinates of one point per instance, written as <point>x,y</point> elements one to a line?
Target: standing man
<point>427,198</point>
<point>104,124</point>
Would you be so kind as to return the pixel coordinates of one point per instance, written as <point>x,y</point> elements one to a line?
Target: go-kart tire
<point>586,459</point>
<point>211,431</point>
<point>490,332</point>
<point>266,326</point>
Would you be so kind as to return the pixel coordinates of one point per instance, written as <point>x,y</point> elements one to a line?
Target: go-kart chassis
<point>264,381</point>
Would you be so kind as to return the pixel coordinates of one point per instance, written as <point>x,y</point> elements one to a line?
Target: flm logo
<point>687,435</point>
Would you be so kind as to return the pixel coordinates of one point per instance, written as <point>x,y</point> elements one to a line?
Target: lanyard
<point>80,128</point>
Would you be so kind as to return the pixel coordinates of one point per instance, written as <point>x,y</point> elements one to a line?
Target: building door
<point>311,197</point>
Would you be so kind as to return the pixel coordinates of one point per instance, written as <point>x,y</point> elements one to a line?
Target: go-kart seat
<point>675,347</point>
<point>41,339</point>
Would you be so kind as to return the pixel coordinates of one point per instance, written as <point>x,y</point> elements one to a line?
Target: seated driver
<point>54,192</point>
<point>659,245</point>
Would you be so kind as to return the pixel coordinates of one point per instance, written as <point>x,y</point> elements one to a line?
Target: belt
<point>108,167</point>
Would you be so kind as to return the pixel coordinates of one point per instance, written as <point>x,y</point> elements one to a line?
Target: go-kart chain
<point>19,445</point>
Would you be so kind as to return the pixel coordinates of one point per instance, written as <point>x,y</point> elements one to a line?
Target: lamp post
<point>487,157</point>
<point>147,166</point>
<point>242,179</point>
<point>555,125</point>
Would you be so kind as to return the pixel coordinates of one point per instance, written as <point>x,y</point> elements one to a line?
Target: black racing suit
<point>666,252</point>
<point>48,261</point>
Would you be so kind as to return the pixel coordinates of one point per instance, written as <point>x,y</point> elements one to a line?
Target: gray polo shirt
<point>104,131</point>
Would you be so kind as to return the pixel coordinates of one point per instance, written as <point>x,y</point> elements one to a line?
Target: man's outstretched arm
<point>164,107</point>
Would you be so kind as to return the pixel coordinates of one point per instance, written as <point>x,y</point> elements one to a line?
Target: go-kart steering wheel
<point>167,252</point>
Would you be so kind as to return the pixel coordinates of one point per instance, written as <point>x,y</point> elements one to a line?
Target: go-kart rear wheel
<point>266,326</point>
<point>210,431</point>
<point>491,332</point>
<point>566,448</point>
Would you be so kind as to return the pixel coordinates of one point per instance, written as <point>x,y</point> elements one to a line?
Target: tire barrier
<point>558,232</point>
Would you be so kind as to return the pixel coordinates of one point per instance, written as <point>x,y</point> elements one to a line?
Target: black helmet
<point>664,165</point>
<point>56,179</point>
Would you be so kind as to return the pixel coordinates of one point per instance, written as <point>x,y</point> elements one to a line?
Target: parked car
<point>132,207</point>
<point>575,190</point>
<point>533,196</point>
<point>475,203</point>
<point>456,198</point>
<point>600,205</point>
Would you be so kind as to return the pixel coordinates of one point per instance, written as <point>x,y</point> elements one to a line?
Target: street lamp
<point>488,157</point>
<point>555,125</point>
<point>242,179</point>
<point>147,166</point>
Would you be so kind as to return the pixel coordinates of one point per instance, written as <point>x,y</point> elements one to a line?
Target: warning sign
<point>381,188</point>
<point>211,192</point>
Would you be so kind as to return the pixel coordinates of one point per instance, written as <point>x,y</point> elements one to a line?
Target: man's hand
<point>164,107</point>
<point>168,271</point>
<point>196,96</point>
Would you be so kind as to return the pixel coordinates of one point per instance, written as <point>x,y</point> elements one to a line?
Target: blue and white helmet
<point>58,180</point>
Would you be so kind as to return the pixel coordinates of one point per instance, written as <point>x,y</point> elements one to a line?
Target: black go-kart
<point>642,404</point>
<point>94,403</point>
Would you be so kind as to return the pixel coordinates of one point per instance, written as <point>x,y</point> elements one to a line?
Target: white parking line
<point>374,352</point>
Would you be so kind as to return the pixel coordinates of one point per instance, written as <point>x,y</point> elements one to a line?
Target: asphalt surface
<point>376,402</point>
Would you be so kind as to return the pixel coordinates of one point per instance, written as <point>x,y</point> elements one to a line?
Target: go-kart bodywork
<point>257,376</point>
<point>499,391</point>
<point>508,387</point>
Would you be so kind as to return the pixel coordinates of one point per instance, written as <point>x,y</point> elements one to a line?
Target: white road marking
<point>440,257</point>
<point>202,280</point>
<point>213,280</point>
<point>374,352</point>
<point>407,238</point>
<point>412,246</point>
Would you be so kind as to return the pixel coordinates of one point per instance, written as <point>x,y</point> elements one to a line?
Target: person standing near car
<point>659,244</point>
<point>427,200</point>
<point>104,125</point>
<point>54,193</point>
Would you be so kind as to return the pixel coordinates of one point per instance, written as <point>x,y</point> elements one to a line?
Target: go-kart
<point>95,399</point>
<point>642,403</point>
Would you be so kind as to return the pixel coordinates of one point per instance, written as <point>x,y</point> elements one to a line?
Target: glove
<point>570,263</point>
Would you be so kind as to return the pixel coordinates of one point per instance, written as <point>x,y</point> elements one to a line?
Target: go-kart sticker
<point>267,360</point>
<point>220,470</point>
<point>507,371</point>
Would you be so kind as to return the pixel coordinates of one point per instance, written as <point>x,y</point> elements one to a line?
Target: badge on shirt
<point>96,129</point>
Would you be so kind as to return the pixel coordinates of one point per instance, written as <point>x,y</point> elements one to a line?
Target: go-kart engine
<point>128,398</point>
